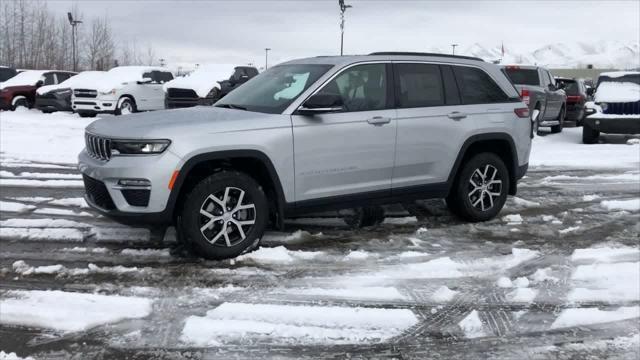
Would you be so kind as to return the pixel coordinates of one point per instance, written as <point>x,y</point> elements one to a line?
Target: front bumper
<point>94,105</point>
<point>104,193</point>
<point>614,124</point>
<point>174,103</point>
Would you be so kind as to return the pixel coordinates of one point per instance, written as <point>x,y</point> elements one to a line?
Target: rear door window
<point>49,79</point>
<point>162,76</point>
<point>419,85</point>
<point>523,76</point>
<point>361,87</point>
<point>477,87</point>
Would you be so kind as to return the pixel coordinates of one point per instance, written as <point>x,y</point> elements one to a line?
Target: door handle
<point>456,115</point>
<point>379,120</point>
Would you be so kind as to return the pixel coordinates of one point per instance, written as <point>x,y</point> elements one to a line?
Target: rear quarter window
<point>523,76</point>
<point>477,87</point>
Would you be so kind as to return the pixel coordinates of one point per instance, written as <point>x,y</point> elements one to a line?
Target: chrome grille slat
<point>98,147</point>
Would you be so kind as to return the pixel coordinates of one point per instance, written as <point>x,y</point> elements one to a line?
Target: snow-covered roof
<point>82,79</point>
<point>203,79</point>
<point>25,78</point>
<point>120,76</point>
<point>610,91</point>
<point>617,74</point>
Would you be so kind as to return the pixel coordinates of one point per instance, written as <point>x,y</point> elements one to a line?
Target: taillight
<point>575,98</point>
<point>525,96</point>
<point>522,112</point>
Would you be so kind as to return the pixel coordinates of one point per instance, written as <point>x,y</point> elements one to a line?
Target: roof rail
<point>426,54</point>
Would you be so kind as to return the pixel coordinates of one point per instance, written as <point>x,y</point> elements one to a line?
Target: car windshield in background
<point>570,87</point>
<point>6,74</point>
<point>275,89</point>
<point>523,76</point>
<point>631,78</point>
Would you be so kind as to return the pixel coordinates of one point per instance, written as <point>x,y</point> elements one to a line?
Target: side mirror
<point>560,85</point>
<point>321,103</point>
<point>145,81</point>
<point>39,83</point>
<point>552,87</point>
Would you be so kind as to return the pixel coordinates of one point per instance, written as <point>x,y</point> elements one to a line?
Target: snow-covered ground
<point>556,275</point>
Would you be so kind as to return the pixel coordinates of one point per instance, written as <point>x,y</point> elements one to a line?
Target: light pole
<point>73,24</point>
<point>266,58</point>
<point>343,8</point>
<point>453,49</point>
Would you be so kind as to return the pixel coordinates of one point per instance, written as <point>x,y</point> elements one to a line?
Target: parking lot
<point>556,275</point>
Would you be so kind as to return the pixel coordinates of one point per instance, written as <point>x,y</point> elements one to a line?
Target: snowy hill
<point>610,54</point>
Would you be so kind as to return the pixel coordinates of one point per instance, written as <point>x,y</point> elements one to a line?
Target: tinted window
<point>6,74</point>
<point>63,76</point>
<point>162,76</point>
<point>571,87</point>
<point>451,95</point>
<point>49,79</point>
<point>419,85</point>
<point>476,87</point>
<point>362,87</point>
<point>523,76</point>
<point>148,75</point>
<point>275,89</point>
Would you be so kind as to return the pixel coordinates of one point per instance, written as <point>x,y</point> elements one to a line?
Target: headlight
<point>64,92</point>
<point>110,92</point>
<point>142,147</point>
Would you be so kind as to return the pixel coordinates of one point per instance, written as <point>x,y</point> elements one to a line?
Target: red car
<point>20,90</point>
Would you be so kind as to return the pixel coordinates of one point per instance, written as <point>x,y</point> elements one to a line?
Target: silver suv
<point>315,134</point>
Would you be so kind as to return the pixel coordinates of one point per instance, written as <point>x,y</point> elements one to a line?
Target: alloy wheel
<point>485,186</point>
<point>228,215</point>
<point>126,108</point>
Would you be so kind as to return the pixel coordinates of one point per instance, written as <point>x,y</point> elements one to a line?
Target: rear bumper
<point>621,124</point>
<point>173,103</point>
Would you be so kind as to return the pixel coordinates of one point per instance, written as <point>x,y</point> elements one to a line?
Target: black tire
<point>87,114</point>
<point>126,105</point>
<point>461,199</point>
<point>212,243</point>
<point>23,102</point>
<point>561,117</point>
<point>589,135</point>
<point>364,216</point>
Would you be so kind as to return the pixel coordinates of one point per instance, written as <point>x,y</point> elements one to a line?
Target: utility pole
<point>266,58</point>
<point>343,8</point>
<point>74,24</point>
<point>453,49</point>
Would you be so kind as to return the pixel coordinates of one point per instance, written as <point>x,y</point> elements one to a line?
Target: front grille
<point>97,193</point>
<point>136,197</point>
<point>627,108</point>
<point>85,93</point>
<point>98,147</point>
<point>181,93</point>
<point>84,103</point>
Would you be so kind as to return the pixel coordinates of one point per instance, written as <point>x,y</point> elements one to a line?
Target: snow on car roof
<point>119,76</point>
<point>25,78</point>
<point>203,79</point>
<point>85,77</point>
<point>616,74</point>
<point>617,92</point>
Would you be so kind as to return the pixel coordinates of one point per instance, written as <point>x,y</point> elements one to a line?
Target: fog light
<point>106,104</point>
<point>597,122</point>
<point>134,182</point>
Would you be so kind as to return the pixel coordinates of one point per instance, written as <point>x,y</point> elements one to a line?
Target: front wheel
<point>589,135</point>
<point>224,215</point>
<point>480,190</point>
<point>22,102</point>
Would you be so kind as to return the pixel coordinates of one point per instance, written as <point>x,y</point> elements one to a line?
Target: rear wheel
<point>558,128</point>
<point>125,106</point>
<point>364,216</point>
<point>589,135</point>
<point>224,215</point>
<point>481,187</point>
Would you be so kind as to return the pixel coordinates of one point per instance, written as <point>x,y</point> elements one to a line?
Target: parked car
<point>206,85</point>
<point>577,97</point>
<point>123,90</point>
<point>51,98</point>
<point>538,89</point>
<point>6,73</point>
<point>617,106</point>
<point>313,134</point>
<point>20,90</point>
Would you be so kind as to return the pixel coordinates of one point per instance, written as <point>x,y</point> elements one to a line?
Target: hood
<point>168,124</point>
<point>203,79</point>
<point>25,78</point>
<point>621,92</point>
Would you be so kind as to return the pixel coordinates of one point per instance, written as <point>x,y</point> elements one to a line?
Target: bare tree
<point>100,47</point>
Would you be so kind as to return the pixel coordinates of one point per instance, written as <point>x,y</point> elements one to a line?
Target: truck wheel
<point>558,128</point>
<point>364,216</point>
<point>589,135</point>
<point>224,215</point>
<point>125,106</point>
<point>480,189</point>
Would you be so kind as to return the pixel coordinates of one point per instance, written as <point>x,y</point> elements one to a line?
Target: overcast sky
<point>238,31</point>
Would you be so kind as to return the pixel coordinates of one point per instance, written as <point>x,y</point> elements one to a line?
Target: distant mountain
<point>609,54</point>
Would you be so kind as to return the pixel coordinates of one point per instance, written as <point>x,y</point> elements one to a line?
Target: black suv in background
<point>204,86</point>
<point>577,97</point>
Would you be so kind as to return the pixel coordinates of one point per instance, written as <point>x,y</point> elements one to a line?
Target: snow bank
<point>617,92</point>
<point>472,326</point>
<point>443,294</point>
<point>13,356</point>
<point>379,293</point>
<point>25,78</point>
<point>69,311</point>
<point>607,282</point>
<point>604,253</point>
<point>278,254</point>
<point>83,79</point>
<point>204,79</point>
<point>588,316</point>
<point>628,205</point>
<point>296,324</point>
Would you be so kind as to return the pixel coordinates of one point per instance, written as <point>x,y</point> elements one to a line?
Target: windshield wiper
<point>232,106</point>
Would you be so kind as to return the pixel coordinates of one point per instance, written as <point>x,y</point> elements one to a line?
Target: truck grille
<point>628,108</point>
<point>181,93</point>
<point>98,147</point>
<point>85,93</point>
<point>97,193</point>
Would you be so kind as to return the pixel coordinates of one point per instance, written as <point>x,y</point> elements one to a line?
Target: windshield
<point>631,78</point>
<point>275,89</point>
<point>523,76</point>
<point>6,74</point>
